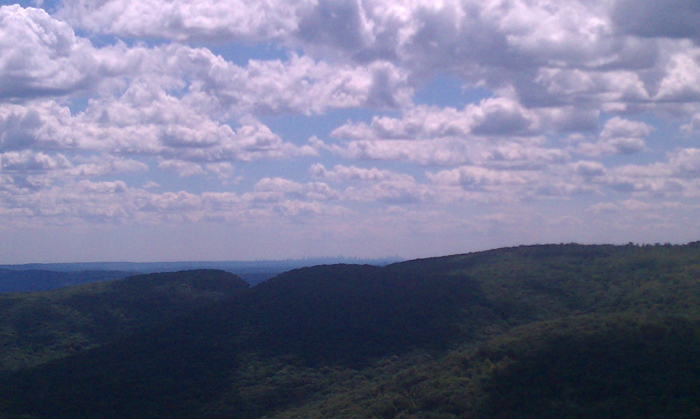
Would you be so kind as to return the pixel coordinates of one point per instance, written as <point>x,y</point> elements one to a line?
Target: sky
<point>171,130</point>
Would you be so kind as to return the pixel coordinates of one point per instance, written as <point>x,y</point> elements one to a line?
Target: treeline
<point>528,332</point>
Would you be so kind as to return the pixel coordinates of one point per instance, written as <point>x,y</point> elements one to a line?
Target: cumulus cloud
<point>351,173</point>
<point>479,178</point>
<point>566,52</point>
<point>182,168</point>
<point>303,85</point>
<point>496,131</point>
<point>686,162</point>
<point>43,56</point>
<point>588,169</point>
<point>27,161</point>
<point>144,121</point>
<point>493,118</point>
<point>681,82</point>
<point>231,21</point>
<point>99,96</point>
<point>278,189</point>
<point>619,136</point>
<point>648,18</point>
<point>679,176</point>
<point>376,185</point>
<point>40,54</point>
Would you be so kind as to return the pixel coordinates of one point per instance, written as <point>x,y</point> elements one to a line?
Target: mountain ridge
<point>41,326</point>
<point>441,337</point>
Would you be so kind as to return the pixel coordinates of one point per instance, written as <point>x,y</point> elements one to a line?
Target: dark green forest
<point>41,326</point>
<point>547,331</point>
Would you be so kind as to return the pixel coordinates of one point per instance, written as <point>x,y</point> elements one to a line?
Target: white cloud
<point>672,18</point>
<point>302,85</point>
<point>497,117</point>
<point>604,207</point>
<point>692,127</point>
<point>182,168</point>
<point>686,162</point>
<point>479,178</point>
<point>569,52</point>
<point>144,121</point>
<point>278,189</point>
<point>42,56</point>
<point>496,131</point>
<point>681,82</point>
<point>679,176</point>
<point>297,85</point>
<point>38,125</point>
<point>425,152</point>
<point>351,173</point>
<point>396,192</point>
<point>230,21</point>
<point>531,154</point>
<point>619,136</point>
<point>28,170</point>
<point>589,169</point>
<point>84,116</point>
<point>30,162</point>
<point>106,165</point>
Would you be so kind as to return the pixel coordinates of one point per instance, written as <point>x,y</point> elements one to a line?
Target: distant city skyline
<point>170,130</point>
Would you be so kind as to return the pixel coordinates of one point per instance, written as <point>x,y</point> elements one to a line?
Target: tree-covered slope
<point>536,331</point>
<point>37,327</point>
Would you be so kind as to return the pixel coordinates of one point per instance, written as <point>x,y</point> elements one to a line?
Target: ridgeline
<point>548,331</point>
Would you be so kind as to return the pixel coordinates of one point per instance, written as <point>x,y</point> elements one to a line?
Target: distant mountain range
<point>549,331</point>
<point>33,280</point>
<point>46,276</point>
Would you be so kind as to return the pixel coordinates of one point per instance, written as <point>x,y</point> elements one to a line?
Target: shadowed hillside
<point>534,331</point>
<point>37,327</point>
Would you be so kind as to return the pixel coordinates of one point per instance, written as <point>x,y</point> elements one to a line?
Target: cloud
<point>99,96</point>
<point>496,131</point>
<point>423,152</point>
<point>679,176</point>
<point>619,136</point>
<point>376,185</point>
<point>686,162</point>
<point>145,121</point>
<point>278,189</point>
<point>524,155</point>
<point>351,173</point>
<point>106,165</point>
<point>182,168</point>
<point>589,169</point>
<point>42,56</point>
<point>648,18</point>
<point>366,29</point>
<point>302,85</point>
<point>692,127</point>
<point>494,117</point>
<point>582,53</point>
<point>230,21</point>
<point>681,82</point>
<point>29,162</point>
<point>30,171</point>
<point>479,178</point>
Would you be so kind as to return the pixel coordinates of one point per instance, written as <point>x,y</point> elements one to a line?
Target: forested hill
<point>551,331</point>
<point>42,326</point>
